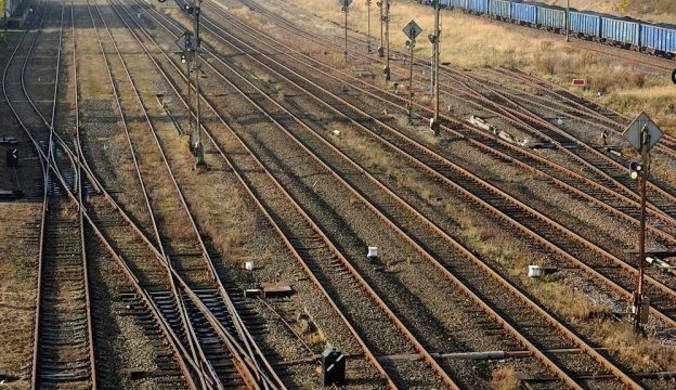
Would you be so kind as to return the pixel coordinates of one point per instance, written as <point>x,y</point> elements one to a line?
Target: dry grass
<point>546,55</point>
<point>504,378</point>
<point>624,88</point>
<point>641,354</point>
<point>563,298</point>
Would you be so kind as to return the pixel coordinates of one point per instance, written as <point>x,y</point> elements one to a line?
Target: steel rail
<point>276,227</point>
<point>627,189</point>
<point>614,125</point>
<point>529,114</point>
<point>245,334</point>
<point>632,201</point>
<point>567,333</point>
<point>537,215</point>
<point>41,251</point>
<point>624,378</point>
<point>513,148</point>
<point>271,219</point>
<point>42,157</point>
<point>83,244</point>
<point>185,322</point>
<point>38,326</point>
<point>569,107</point>
<point>49,124</point>
<point>417,246</point>
<point>255,5</point>
<point>246,375</point>
<point>333,304</point>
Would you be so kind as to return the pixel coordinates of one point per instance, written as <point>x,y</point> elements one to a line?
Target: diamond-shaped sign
<point>633,132</point>
<point>412,30</point>
<point>345,3</point>
<point>186,42</point>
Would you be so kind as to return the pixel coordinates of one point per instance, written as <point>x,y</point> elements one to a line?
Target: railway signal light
<point>634,169</point>
<point>673,76</point>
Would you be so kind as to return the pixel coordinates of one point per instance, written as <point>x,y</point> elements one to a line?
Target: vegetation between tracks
<point>19,237</point>
<point>575,306</point>
<point>623,86</point>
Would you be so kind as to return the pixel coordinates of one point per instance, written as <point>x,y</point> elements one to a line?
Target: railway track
<point>533,223</point>
<point>302,240</point>
<point>610,192</point>
<point>62,345</point>
<point>63,335</point>
<point>616,185</point>
<point>244,94</point>
<point>203,302</point>
<point>186,256</point>
<point>72,368</point>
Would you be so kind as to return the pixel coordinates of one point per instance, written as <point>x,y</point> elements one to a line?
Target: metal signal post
<point>368,26</point>
<point>388,73</point>
<point>345,8</point>
<point>190,44</point>
<point>381,49</point>
<point>642,134</point>
<point>436,38</point>
<point>198,150</point>
<point>410,84</point>
<point>639,295</point>
<point>568,21</point>
<point>412,30</point>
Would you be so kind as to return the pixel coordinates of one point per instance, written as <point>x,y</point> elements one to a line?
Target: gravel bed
<point>184,174</point>
<point>318,189</point>
<point>122,345</point>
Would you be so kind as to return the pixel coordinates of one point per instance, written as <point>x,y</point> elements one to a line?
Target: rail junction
<point>144,270</point>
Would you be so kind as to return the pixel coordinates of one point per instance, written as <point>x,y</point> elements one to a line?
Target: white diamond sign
<point>345,3</point>
<point>412,30</point>
<point>633,133</point>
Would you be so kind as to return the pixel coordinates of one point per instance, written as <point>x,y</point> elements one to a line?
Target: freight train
<point>623,32</point>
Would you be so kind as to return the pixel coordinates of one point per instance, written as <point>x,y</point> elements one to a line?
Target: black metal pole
<point>345,9</point>
<point>437,59</point>
<point>410,85</point>
<point>639,294</point>
<point>381,49</point>
<point>199,153</point>
<point>387,38</point>
<point>568,21</point>
<point>368,25</point>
